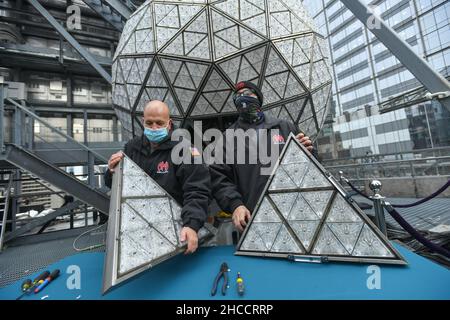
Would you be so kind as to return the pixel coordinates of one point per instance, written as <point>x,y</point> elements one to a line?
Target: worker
<point>189,184</point>
<point>238,186</point>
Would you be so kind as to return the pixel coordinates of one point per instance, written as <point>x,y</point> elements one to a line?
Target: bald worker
<point>189,184</point>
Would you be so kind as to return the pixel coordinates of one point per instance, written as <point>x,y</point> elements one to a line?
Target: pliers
<point>223,272</point>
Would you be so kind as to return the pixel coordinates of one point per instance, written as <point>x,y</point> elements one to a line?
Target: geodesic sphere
<point>191,53</point>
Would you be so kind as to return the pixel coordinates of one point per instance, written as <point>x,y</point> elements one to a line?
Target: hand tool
<point>240,284</point>
<point>50,278</point>
<point>27,285</point>
<point>222,273</point>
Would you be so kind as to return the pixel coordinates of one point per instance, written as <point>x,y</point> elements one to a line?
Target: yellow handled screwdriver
<point>240,284</point>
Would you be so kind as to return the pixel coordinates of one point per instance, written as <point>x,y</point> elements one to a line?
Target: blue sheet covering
<point>191,278</point>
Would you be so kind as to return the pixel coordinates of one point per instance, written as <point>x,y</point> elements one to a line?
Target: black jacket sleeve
<point>224,185</point>
<point>196,185</point>
<point>108,178</point>
<point>108,174</point>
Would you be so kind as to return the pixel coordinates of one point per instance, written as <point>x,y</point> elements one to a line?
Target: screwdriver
<point>50,278</point>
<point>240,284</point>
<point>27,285</point>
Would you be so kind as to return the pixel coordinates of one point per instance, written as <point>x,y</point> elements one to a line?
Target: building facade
<point>367,75</point>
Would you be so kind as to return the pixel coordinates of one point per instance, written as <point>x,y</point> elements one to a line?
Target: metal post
<point>69,90</point>
<point>69,126</point>
<point>378,201</point>
<point>15,201</point>
<point>419,67</point>
<point>2,118</point>
<point>91,171</point>
<point>85,127</point>
<point>341,177</point>
<point>17,125</point>
<point>115,129</point>
<point>428,124</point>
<point>61,50</point>
<point>71,220</point>
<point>86,222</point>
<point>30,135</point>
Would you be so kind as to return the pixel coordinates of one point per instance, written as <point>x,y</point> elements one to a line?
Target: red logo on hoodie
<point>163,167</point>
<point>278,139</point>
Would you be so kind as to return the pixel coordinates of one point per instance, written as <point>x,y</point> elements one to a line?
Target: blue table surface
<point>191,278</point>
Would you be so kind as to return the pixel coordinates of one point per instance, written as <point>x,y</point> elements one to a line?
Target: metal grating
<point>17,262</point>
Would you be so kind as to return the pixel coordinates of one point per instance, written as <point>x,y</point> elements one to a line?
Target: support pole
<point>419,67</point>
<point>2,118</point>
<point>378,200</point>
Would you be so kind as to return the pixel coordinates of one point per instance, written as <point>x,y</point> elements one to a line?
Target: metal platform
<point>20,260</point>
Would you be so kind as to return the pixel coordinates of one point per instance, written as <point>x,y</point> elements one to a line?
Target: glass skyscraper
<point>366,75</point>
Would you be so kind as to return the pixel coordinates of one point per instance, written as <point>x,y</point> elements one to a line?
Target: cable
<point>405,225</point>
<point>90,247</point>
<point>434,195</point>
<point>357,191</point>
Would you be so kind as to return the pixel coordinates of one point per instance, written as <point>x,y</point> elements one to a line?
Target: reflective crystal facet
<point>236,37</point>
<point>284,242</point>
<point>370,245</point>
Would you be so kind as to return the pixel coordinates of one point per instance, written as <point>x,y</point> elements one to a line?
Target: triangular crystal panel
<point>143,227</point>
<point>303,212</point>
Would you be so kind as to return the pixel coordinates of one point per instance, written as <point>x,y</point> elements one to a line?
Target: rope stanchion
<point>434,195</point>
<point>356,190</point>
<point>410,229</point>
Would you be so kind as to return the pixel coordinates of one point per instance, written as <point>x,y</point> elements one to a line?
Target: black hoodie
<point>189,184</point>
<point>242,184</point>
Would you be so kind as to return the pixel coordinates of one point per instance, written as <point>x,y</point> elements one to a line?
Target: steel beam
<point>43,220</point>
<point>111,17</point>
<point>121,8</point>
<point>29,162</point>
<point>73,42</point>
<point>419,67</point>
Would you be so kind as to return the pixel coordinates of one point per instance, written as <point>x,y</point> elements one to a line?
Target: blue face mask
<point>156,135</point>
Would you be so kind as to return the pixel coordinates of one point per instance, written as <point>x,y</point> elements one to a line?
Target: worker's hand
<point>189,235</point>
<point>114,160</point>
<point>241,216</point>
<point>304,140</point>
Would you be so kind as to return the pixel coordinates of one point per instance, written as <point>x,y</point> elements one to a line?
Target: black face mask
<point>249,109</point>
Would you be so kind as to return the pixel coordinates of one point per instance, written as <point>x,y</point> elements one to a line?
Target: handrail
<point>386,162</point>
<point>417,151</point>
<point>5,210</point>
<point>48,125</point>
